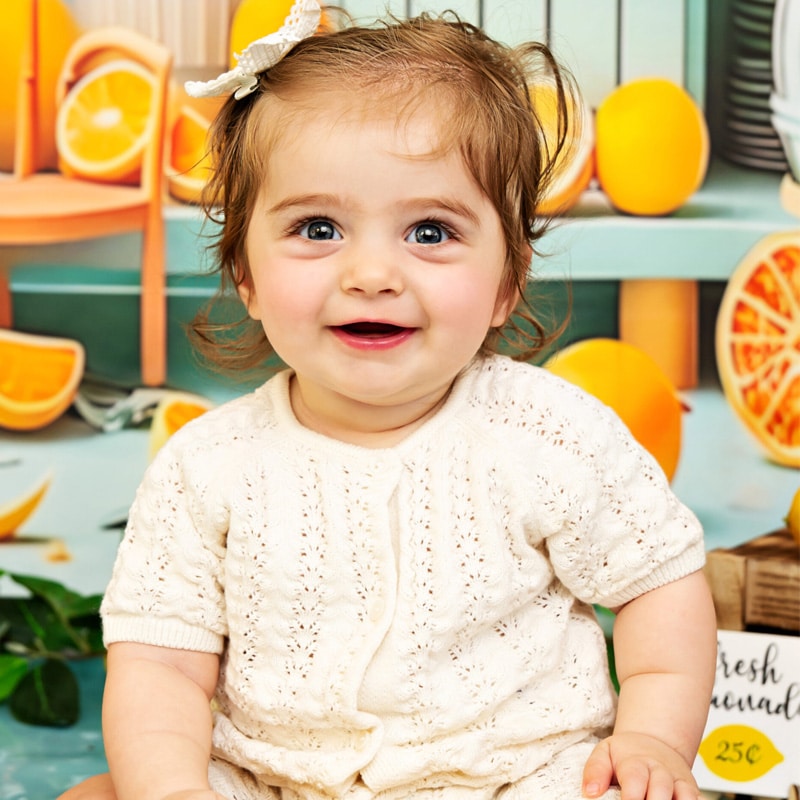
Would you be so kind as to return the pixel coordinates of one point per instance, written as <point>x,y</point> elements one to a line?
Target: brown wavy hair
<point>482,92</point>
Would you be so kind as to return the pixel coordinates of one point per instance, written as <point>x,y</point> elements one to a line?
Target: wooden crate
<point>757,584</point>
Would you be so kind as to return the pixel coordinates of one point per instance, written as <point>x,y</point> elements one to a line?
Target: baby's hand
<point>645,768</point>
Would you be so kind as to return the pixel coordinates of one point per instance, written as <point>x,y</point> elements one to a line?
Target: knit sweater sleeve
<point>615,529</point>
<point>166,587</point>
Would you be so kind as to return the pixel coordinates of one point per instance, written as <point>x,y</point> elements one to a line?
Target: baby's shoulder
<point>226,428</point>
<point>522,406</point>
<point>520,391</point>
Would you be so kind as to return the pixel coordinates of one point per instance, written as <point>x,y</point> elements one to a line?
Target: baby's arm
<point>665,651</point>
<point>157,721</point>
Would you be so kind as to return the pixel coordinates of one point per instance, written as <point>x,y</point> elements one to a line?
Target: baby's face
<point>376,267</point>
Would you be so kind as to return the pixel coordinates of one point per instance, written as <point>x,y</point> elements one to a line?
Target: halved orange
<point>104,123</point>
<point>173,411</point>
<point>758,344</point>
<point>14,512</point>
<point>574,167</point>
<point>57,30</point>
<point>189,159</point>
<point>39,376</point>
<point>629,381</point>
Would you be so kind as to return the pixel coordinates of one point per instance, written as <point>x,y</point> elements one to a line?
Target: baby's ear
<point>508,295</point>
<point>247,294</point>
<point>507,299</point>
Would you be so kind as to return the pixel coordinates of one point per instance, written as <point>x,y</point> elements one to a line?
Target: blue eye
<point>428,233</point>
<point>319,230</point>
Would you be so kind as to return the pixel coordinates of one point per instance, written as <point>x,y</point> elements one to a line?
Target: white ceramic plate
<point>755,163</point>
<point>750,87</point>
<point>744,100</point>
<point>785,50</point>
<point>754,11</point>
<point>751,128</point>
<point>758,27</point>
<point>749,114</point>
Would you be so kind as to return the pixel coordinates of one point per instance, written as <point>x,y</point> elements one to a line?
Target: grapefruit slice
<point>629,381</point>
<point>758,344</point>
<point>39,376</point>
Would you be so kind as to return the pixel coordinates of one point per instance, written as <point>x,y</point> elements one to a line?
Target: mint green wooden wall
<point>88,289</point>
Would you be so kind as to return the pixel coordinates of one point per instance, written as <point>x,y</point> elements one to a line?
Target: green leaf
<point>53,619</point>
<point>57,596</point>
<point>47,695</point>
<point>50,622</point>
<point>94,639</point>
<point>12,668</point>
<point>32,623</point>
<point>612,664</point>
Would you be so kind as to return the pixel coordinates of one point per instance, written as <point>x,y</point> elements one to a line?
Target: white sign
<point>751,743</point>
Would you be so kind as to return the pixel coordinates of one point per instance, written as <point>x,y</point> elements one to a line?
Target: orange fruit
<point>792,518</point>
<point>14,512</point>
<point>39,376</point>
<point>634,386</point>
<point>574,167</point>
<point>652,146</point>
<point>254,19</point>
<point>103,123</point>
<point>758,344</point>
<point>189,160</point>
<point>173,411</point>
<point>57,32</point>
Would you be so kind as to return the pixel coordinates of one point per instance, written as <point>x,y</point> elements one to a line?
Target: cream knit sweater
<point>401,618</point>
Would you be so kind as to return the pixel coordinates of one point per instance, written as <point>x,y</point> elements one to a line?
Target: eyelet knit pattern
<point>402,619</point>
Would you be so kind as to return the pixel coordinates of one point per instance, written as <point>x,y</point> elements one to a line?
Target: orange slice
<point>758,344</point>
<point>16,511</point>
<point>39,376</point>
<point>173,412</point>
<point>574,167</point>
<point>104,122</point>
<point>629,381</point>
<point>189,160</point>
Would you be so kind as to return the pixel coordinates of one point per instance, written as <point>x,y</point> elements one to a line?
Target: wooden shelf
<point>703,240</point>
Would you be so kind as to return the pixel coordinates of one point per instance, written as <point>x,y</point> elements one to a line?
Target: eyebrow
<point>421,204</point>
<point>451,204</point>
<point>301,200</point>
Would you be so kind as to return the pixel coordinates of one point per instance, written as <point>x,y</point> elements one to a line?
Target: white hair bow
<point>302,22</point>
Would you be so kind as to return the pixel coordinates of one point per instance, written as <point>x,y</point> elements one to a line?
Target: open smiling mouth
<point>372,336</point>
<point>373,330</point>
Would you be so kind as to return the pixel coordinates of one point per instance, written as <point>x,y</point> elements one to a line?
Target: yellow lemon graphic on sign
<point>739,753</point>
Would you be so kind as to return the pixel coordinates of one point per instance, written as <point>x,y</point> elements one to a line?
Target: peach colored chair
<point>38,207</point>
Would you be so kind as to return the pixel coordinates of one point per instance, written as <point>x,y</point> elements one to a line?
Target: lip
<point>372,335</point>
